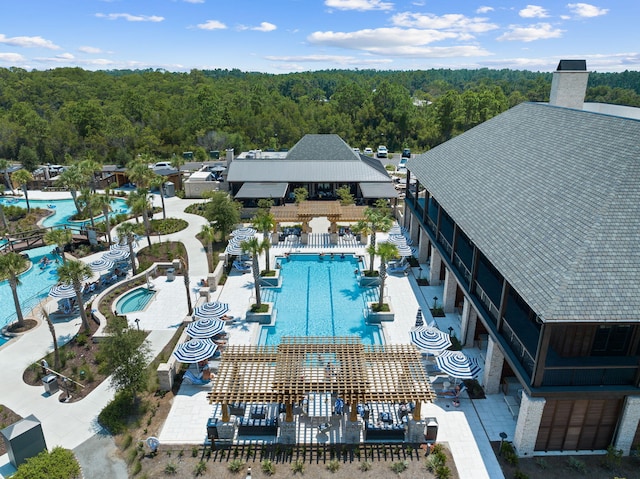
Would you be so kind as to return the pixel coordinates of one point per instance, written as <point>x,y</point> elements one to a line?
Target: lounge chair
<point>242,267</point>
<point>190,378</point>
<point>402,269</point>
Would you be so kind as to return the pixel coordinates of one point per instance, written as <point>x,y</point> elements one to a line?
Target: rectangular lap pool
<point>320,296</point>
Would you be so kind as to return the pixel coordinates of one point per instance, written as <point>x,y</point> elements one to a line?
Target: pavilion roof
<point>315,209</point>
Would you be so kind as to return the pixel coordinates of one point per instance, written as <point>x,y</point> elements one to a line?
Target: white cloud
<point>397,42</point>
<point>263,27</point>
<point>485,9</point>
<point>451,21</point>
<point>586,10</point>
<point>91,50</point>
<point>539,31</point>
<point>11,58</point>
<point>194,1</point>
<point>533,11</point>
<point>339,59</point>
<point>359,5</point>
<point>212,25</point>
<point>130,18</point>
<point>28,42</point>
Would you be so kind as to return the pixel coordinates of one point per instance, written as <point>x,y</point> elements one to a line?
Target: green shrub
<point>194,451</point>
<point>333,465</point>
<point>613,458</point>
<point>59,464</point>
<point>298,466</point>
<point>443,472</point>
<point>170,469</point>
<point>200,469</point>
<point>126,442</point>
<point>137,467</point>
<point>131,456</point>
<point>235,465</point>
<point>577,465</point>
<point>399,467</point>
<point>268,467</point>
<point>433,462</point>
<point>520,475</point>
<point>115,414</point>
<point>541,463</point>
<point>365,466</point>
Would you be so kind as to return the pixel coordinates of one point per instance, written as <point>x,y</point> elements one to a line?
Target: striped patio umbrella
<point>102,264</point>
<point>214,309</point>
<point>395,230</point>
<point>119,246</point>
<point>116,255</point>
<point>405,251</point>
<point>240,238</point>
<point>398,240</point>
<point>431,340</point>
<point>419,318</point>
<point>234,249</point>
<point>456,364</point>
<point>205,328</point>
<point>62,290</point>
<point>195,350</point>
<point>244,231</point>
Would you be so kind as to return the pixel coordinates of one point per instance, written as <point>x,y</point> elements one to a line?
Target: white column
<point>628,424</point>
<point>423,247</point>
<point>436,264</point>
<point>450,287</point>
<point>468,325</point>
<point>414,232</point>
<point>531,409</point>
<point>493,368</point>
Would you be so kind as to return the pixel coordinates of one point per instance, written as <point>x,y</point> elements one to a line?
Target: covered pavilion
<point>304,211</point>
<point>287,372</point>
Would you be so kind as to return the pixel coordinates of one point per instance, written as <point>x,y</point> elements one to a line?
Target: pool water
<point>34,287</point>
<point>319,297</point>
<point>135,300</point>
<point>63,209</point>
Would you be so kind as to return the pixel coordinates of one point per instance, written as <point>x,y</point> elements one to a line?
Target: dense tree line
<point>68,114</point>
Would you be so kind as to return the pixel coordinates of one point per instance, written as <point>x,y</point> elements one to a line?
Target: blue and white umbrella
<point>234,249</point>
<point>456,364</point>
<point>205,328</point>
<point>244,231</point>
<point>398,240</point>
<point>102,264</point>
<point>195,350</point>
<point>116,255</point>
<point>430,340</point>
<point>214,309</point>
<point>239,239</point>
<point>406,251</point>
<point>395,230</point>
<point>62,290</point>
<point>419,318</point>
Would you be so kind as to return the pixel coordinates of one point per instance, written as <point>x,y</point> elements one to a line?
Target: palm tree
<point>73,180</point>
<point>127,230</point>
<point>4,166</point>
<point>208,234</point>
<point>140,173</point>
<point>139,203</point>
<point>59,237</point>
<point>376,219</point>
<point>89,168</point>
<point>255,247</point>
<point>20,179</point>
<point>74,272</point>
<point>104,203</point>
<point>87,200</point>
<point>386,251</point>
<point>264,221</point>
<point>11,265</point>
<point>158,182</point>
<point>185,275</point>
<point>52,330</point>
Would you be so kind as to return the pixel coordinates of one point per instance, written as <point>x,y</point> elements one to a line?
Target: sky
<point>281,36</point>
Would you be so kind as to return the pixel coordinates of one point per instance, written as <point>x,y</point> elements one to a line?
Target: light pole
<point>435,302</point>
<point>137,321</point>
<point>420,272</point>
<point>503,436</point>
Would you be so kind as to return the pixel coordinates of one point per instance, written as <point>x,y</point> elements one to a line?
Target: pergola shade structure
<point>285,373</point>
<point>307,210</point>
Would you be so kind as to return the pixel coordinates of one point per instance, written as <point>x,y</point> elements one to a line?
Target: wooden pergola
<point>287,372</point>
<point>306,210</point>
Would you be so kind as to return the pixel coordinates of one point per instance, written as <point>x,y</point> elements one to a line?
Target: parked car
<point>382,151</point>
<point>161,165</point>
<point>357,150</point>
<point>368,151</point>
<point>402,165</point>
<point>406,153</point>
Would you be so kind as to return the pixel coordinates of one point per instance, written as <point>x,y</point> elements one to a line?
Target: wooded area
<point>61,115</point>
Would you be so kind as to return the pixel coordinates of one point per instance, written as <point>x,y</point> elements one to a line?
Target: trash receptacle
<point>169,189</point>
<point>214,154</point>
<point>171,274</point>
<point>431,430</point>
<point>50,382</point>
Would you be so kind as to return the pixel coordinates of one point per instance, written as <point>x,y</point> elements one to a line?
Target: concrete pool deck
<point>467,429</point>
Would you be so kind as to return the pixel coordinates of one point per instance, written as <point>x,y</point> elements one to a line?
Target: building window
<point>611,340</point>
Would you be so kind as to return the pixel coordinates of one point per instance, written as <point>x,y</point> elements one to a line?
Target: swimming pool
<point>63,209</point>
<point>135,300</point>
<point>319,297</point>
<point>34,287</point>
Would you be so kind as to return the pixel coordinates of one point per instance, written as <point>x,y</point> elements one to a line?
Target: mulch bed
<point>7,418</point>
<point>28,324</point>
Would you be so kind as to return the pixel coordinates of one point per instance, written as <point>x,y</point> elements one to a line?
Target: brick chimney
<point>569,84</point>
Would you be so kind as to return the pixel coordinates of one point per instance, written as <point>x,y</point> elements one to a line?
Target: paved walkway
<point>468,429</point>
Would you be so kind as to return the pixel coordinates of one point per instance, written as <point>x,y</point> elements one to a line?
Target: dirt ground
<point>565,467</point>
<point>7,418</point>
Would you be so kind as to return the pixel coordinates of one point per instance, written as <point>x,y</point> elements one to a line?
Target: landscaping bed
<point>7,418</point>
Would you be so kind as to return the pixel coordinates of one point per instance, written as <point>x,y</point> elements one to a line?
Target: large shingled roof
<point>551,196</point>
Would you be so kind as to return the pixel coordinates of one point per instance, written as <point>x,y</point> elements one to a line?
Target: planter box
<point>374,317</point>
<point>368,281</point>
<point>262,318</point>
<point>271,281</point>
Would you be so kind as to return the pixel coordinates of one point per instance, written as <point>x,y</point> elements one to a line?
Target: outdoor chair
<point>190,378</point>
<point>402,269</point>
<point>242,267</point>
